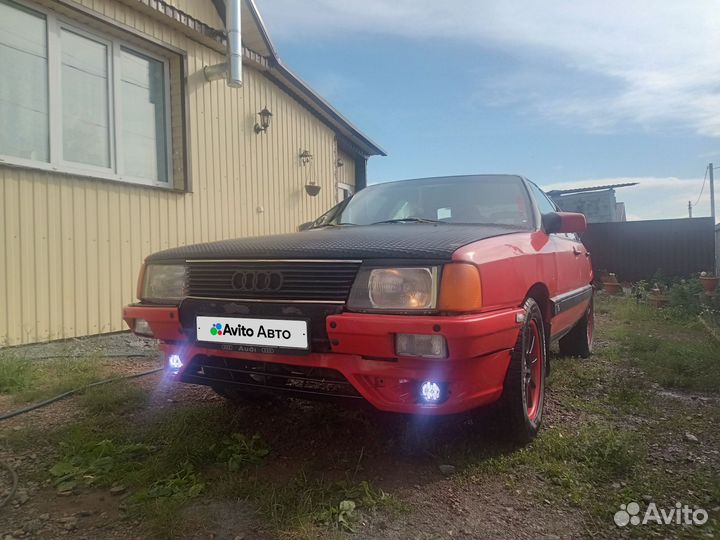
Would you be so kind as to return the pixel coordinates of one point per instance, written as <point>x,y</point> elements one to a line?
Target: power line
<point>703,185</point>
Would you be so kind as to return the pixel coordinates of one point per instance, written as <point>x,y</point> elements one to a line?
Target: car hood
<point>381,241</point>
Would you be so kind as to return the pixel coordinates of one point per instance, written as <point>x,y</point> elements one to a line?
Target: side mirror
<point>305,226</point>
<point>564,222</point>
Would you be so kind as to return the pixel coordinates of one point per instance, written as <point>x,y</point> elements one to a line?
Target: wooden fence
<point>636,250</point>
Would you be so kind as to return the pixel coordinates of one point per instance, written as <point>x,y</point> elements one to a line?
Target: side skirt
<point>565,301</point>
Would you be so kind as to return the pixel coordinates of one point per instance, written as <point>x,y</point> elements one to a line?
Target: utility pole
<point>712,212</point>
<point>689,209</point>
<point>712,192</point>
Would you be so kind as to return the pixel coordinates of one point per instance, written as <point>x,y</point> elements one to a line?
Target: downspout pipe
<point>233,25</point>
<point>231,69</point>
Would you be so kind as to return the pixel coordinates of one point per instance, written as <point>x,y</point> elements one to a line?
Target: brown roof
<point>593,188</point>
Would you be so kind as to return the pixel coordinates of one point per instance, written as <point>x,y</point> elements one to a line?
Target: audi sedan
<point>432,296</point>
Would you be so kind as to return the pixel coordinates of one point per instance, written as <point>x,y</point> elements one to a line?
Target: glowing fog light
<point>142,328</point>
<point>421,345</point>
<point>430,391</point>
<point>174,362</point>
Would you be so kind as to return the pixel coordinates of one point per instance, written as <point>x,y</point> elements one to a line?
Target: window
<point>80,102</point>
<point>144,134</point>
<point>85,100</point>
<point>343,191</point>
<point>482,199</point>
<point>545,205</point>
<point>23,84</point>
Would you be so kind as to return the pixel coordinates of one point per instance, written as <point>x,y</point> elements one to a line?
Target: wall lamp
<point>265,116</point>
<point>305,157</point>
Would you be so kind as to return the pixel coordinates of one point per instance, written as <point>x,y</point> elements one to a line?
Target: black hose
<point>76,356</point>
<point>43,403</point>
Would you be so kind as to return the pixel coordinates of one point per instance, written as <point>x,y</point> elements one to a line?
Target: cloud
<point>653,197</point>
<point>647,63</point>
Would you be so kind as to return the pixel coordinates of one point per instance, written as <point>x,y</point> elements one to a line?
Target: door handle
<point>576,251</point>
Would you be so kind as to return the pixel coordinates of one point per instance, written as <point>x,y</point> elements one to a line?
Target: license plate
<point>283,333</point>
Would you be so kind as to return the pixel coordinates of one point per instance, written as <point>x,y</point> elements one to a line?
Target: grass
<point>296,508</point>
<point>165,459</point>
<point>175,456</point>
<point>576,460</point>
<point>16,374</point>
<point>672,350</point>
<point>120,398</point>
<point>602,446</point>
<point>31,380</point>
<point>608,456</point>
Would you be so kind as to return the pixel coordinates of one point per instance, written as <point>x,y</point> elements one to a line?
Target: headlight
<point>398,289</point>
<point>163,282</point>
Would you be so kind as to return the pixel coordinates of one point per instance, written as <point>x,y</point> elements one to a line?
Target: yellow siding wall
<point>71,247</point>
<point>202,10</point>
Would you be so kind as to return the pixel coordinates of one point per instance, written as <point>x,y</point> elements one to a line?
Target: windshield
<point>500,200</point>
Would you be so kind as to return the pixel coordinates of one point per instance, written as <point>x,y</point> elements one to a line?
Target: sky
<point>567,93</point>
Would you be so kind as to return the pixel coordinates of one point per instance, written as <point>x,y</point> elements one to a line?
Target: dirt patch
<point>222,519</point>
<point>446,509</point>
<point>84,515</point>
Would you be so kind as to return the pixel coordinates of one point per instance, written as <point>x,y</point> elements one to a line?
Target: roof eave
<point>344,125</point>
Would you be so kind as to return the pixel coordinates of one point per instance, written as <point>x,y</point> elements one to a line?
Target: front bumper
<point>362,352</point>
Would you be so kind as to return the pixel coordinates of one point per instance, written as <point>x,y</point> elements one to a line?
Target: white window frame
<point>54,25</point>
<point>341,189</point>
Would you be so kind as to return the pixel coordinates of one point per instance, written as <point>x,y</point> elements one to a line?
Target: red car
<point>430,296</point>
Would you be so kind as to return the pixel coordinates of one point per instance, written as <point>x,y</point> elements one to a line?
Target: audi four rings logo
<point>257,281</point>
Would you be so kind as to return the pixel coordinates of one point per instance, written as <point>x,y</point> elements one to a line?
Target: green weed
<point>98,464</point>
<point>160,504</point>
<point>299,506</point>
<point>15,374</point>
<point>238,450</point>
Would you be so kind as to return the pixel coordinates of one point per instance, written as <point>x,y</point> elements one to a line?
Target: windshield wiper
<point>334,225</point>
<point>409,220</point>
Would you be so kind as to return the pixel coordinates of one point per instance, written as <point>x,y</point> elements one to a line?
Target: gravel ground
<point>120,344</point>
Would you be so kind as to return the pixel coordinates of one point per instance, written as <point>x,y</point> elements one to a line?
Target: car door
<point>569,261</point>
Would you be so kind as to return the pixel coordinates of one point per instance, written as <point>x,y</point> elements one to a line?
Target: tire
<point>579,341</point>
<point>523,400</point>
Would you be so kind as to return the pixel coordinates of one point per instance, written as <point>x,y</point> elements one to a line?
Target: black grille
<point>300,381</point>
<point>317,281</point>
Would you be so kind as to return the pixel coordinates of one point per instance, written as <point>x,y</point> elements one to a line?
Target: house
<point>597,203</point>
<point>119,137</point>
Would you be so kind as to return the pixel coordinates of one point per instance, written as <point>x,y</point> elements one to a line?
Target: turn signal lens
<point>142,328</point>
<point>460,288</point>
<point>421,345</point>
